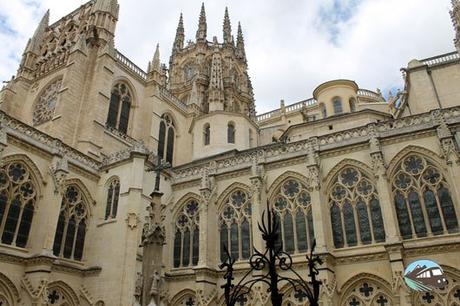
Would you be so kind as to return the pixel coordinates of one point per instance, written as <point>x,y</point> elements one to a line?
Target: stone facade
<point>82,129</point>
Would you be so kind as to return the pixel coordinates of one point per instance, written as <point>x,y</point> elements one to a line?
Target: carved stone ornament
<point>397,281</point>
<point>449,151</point>
<point>314,181</point>
<point>378,164</point>
<point>328,288</point>
<point>59,172</point>
<point>132,220</point>
<point>3,142</point>
<point>205,299</point>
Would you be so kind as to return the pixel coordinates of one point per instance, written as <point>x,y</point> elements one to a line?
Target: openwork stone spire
<point>156,59</point>
<point>109,6</point>
<point>180,36</point>
<point>240,43</point>
<point>34,44</point>
<point>216,84</point>
<point>202,26</point>
<point>455,14</point>
<point>227,29</point>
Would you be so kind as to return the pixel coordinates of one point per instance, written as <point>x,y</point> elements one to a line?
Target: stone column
<point>383,187</point>
<point>450,154</point>
<point>258,199</point>
<point>48,215</point>
<point>320,211</point>
<point>206,282</point>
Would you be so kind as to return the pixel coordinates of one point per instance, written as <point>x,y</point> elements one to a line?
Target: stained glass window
<point>292,204</point>
<point>166,139</point>
<point>69,238</point>
<point>17,203</point>
<point>337,103</point>
<point>422,199</point>
<point>186,239</point>
<point>113,194</point>
<point>356,217</point>
<point>235,225</point>
<point>46,103</point>
<point>119,108</point>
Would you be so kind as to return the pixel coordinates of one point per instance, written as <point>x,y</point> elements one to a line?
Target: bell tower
<point>211,75</point>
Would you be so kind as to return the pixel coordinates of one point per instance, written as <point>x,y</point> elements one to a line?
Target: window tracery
<point>113,194</point>
<point>46,103</point>
<point>235,226</point>
<point>187,235</point>
<point>367,293</point>
<point>356,217</point>
<point>292,205</point>
<point>166,138</point>
<point>17,203</point>
<point>119,108</point>
<point>423,203</point>
<point>69,239</point>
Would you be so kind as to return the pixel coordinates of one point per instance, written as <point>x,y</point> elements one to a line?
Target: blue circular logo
<point>424,275</point>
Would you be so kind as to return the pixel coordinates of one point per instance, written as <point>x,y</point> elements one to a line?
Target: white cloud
<point>292,46</point>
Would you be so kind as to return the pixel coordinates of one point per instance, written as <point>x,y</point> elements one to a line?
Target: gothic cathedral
<point>121,187</point>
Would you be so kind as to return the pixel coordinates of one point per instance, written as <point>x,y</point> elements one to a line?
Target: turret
<point>33,48</point>
<point>104,16</point>
<point>241,53</point>
<point>455,14</point>
<point>202,26</point>
<point>216,84</point>
<point>227,29</point>
<point>155,71</point>
<point>180,36</point>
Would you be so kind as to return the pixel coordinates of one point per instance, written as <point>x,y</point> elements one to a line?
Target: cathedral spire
<point>34,44</point>
<point>227,28</point>
<point>202,26</point>
<point>180,36</point>
<point>455,14</point>
<point>156,59</point>
<point>216,84</point>
<point>240,43</point>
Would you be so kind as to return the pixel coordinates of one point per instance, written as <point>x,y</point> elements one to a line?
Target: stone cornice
<point>46,143</point>
<point>278,152</point>
<point>54,263</point>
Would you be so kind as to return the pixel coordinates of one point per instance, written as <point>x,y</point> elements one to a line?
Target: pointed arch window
<point>69,239</point>
<point>293,208</point>
<point>166,139</point>
<point>119,108</point>
<point>207,134</point>
<point>422,198</point>
<point>18,196</point>
<point>187,236</point>
<point>356,217</point>
<point>235,226</point>
<point>113,194</point>
<point>231,132</point>
<point>46,103</point>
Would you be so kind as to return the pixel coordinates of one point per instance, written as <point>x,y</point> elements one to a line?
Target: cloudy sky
<point>292,45</point>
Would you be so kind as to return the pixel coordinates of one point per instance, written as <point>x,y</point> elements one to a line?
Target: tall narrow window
<point>119,108</point>
<point>186,237</point>
<point>231,133</point>
<point>69,239</point>
<point>206,134</point>
<point>17,202</point>
<point>46,103</point>
<point>422,199</point>
<point>356,217</point>
<point>235,225</point>
<point>323,110</point>
<point>292,205</point>
<point>352,102</point>
<point>337,103</point>
<point>166,139</point>
<point>113,193</point>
